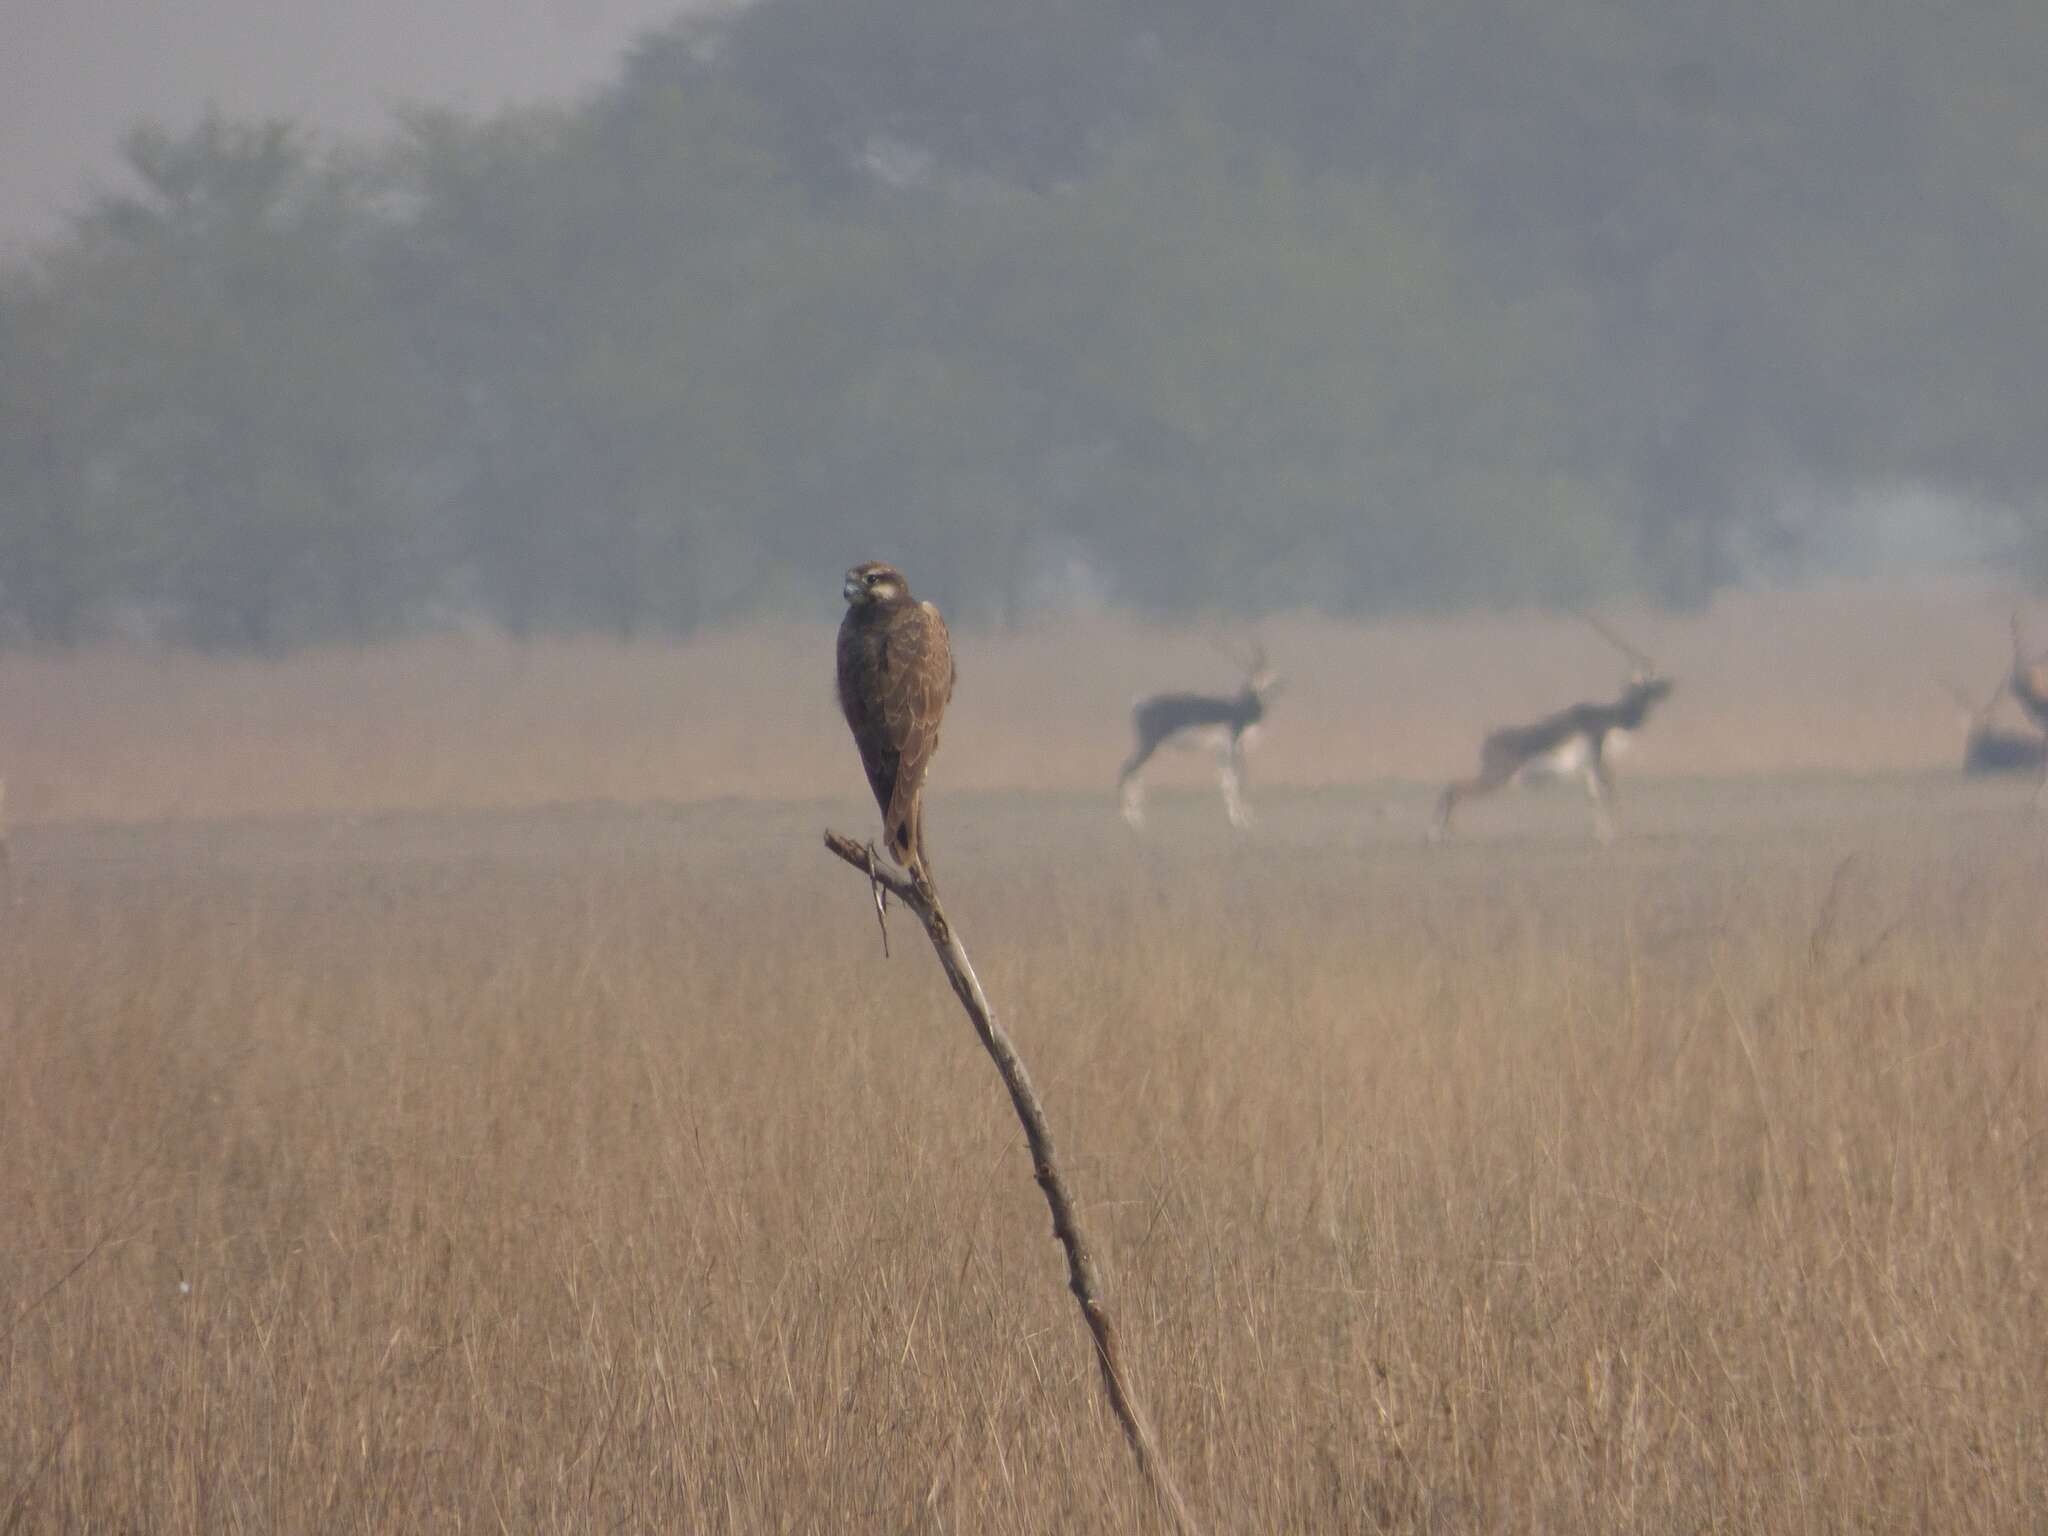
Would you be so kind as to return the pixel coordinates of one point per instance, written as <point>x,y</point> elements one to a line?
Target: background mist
<point>1163,307</point>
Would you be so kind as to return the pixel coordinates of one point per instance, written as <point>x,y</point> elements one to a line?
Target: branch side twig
<point>920,898</point>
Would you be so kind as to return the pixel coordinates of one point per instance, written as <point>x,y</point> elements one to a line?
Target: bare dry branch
<point>921,898</point>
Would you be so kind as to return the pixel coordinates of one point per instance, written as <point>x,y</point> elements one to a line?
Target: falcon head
<point>874,582</point>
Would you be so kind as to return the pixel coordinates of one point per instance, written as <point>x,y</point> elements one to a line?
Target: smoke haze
<point>330,326</point>
<point>77,74</point>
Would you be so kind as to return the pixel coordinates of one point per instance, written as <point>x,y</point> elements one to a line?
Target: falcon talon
<point>880,892</point>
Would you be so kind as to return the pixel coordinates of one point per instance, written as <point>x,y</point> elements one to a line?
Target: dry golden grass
<point>1846,680</point>
<point>591,1171</point>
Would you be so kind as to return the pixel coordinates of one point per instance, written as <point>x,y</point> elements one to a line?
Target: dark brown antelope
<point>1575,740</point>
<point>2029,684</point>
<point>1228,724</point>
<point>1990,749</point>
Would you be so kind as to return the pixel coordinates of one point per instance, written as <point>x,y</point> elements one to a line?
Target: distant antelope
<point>1992,749</point>
<point>2029,684</point>
<point>1575,740</point>
<point>1227,723</point>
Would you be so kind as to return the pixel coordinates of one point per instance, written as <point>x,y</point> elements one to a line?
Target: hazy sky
<point>75,74</point>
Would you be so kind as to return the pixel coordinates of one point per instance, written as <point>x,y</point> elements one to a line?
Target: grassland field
<point>1854,680</point>
<point>402,1133</point>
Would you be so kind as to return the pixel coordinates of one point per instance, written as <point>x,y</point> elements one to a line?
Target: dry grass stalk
<point>461,1172</point>
<point>922,899</point>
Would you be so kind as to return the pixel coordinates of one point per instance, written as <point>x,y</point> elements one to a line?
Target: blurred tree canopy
<point>1209,307</point>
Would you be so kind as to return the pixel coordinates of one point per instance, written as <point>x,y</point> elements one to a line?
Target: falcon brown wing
<point>862,660</point>
<point>917,683</point>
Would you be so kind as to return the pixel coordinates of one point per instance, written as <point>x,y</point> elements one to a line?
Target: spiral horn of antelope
<point>1645,666</point>
<point>1973,712</point>
<point>2021,661</point>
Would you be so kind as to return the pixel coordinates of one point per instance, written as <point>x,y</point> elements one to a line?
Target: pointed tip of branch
<point>862,857</point>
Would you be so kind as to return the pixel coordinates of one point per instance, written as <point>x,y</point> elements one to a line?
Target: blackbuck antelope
<point>2029,685</point>
<point>1226,723</point>
<point>1575,740</point>
<point>1990,749</point>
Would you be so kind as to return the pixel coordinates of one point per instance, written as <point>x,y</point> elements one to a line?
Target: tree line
<point>1193,306</point>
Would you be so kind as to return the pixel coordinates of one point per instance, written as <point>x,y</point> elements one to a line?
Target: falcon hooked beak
<point>873,582</point>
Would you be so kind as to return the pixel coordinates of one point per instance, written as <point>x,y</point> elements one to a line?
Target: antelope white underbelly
<point>1566,760</point>
<point>1205,738</point>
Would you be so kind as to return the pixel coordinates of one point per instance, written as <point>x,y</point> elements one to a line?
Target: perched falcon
<point>895,678</point>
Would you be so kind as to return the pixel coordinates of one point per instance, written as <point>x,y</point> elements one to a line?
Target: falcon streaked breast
<point>895,679</point>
